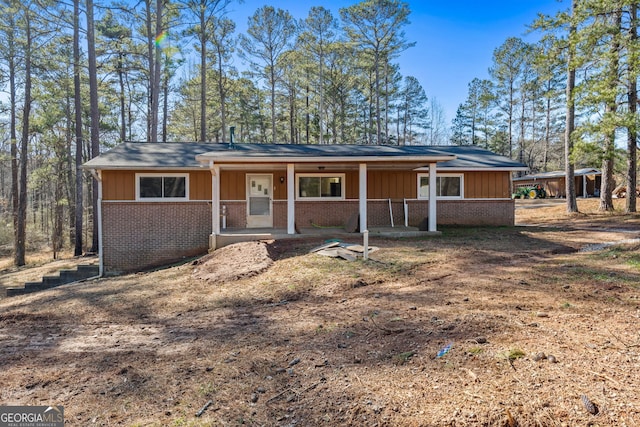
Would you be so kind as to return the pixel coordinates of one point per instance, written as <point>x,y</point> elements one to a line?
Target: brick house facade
<point>158,201</point>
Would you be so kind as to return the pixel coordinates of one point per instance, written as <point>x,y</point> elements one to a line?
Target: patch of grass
<point>585,272</point>
<point>634,261</point>
<point>565,305</point>
<point>516,353</point>
<point>626,254</point>
<point>207,389</point>
<point>323,329</point>
<point>475,350</point>
<point>402,358</point>
<point>513,354</point>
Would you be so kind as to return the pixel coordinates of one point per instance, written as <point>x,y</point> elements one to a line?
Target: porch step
<point>82,272</point>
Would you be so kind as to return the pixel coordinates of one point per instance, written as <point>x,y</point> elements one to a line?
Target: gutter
<point>97,175</point>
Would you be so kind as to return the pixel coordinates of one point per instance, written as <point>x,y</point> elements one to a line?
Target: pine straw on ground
<point>317,341</point>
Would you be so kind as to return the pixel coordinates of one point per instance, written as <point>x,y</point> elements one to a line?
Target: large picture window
<point>162,187</point>
<point>448,186</point>
<point>320,186</point>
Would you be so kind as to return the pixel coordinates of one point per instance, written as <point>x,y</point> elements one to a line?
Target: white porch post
<point>100,239</point>
<point>584,186</point>
<point>363,209</point>
<point>215,208</point>
<point>363,197</point>
<point>291,199</point>
<point>432,197</point>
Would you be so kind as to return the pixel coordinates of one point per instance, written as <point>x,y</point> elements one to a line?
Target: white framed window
<point>162,187</point>
<point>320,186</point>
<point>448,186</point>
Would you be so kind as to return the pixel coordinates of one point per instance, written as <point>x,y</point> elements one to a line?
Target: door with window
<point>259,201</point>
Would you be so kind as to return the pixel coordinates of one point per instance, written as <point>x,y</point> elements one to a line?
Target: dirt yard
<point>533,325</point>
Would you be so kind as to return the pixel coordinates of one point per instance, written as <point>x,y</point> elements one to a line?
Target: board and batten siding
<point>121,184</point>
<point>487,185</point>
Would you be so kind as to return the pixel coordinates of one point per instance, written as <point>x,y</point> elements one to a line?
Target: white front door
<point>259,201</point>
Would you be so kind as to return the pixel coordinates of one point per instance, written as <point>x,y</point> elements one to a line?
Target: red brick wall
<point>336,213</point>
<point>465,212</point>
<point>139,235</point>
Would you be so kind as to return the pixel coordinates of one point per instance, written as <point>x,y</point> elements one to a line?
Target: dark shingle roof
<point>472,157</point>
<point>138,155</point>
<point>558,174</point>
<point>190,155</point>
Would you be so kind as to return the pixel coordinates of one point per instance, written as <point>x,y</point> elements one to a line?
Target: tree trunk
<point>321,124</point>
<point>155,100</point>
<point>292,114</point>
<point>608,183</point>
<point>308,117</point>
<point>377,95</point>
<point>94,113</point>
<point>152,73</point>
<point>21,232</point>
<point>79,205</point>
<point>223,97</point>
<point>632,133</point>
<point>67,161</point>
<point>165,104</point>
<point>273,104</point>
<point>570,185</point>
<point>13,135</point>
<point>123,118</point>
<point>203,78</point>
<point>547,133</point>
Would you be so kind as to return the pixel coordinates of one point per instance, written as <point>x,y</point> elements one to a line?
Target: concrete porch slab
<point>230,236</point>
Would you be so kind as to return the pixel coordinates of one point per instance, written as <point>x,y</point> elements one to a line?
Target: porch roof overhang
<point>277,156</point>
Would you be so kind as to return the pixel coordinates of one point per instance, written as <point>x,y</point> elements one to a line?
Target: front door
<point>259,201</point>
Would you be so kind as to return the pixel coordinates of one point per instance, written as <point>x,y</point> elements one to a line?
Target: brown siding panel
<point>232,185</point>
<point>391,185</point>
<point>486,185</point>
<point>118,185</point>
<point>200,185</point>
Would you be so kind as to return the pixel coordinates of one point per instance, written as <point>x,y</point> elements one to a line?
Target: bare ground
<point>289,338</point>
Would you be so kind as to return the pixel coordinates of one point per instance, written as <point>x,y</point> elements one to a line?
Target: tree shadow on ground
<point>326,343</point>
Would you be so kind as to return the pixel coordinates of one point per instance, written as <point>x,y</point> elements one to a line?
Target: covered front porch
<point>269,192</point>
<point>288,216</point>
<point>230,236</point>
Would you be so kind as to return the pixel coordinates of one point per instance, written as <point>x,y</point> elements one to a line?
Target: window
<point>448,186</point>
<point>320,186</point>
<point>164,187</point>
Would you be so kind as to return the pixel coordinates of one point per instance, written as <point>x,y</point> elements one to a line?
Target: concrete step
<point>67,276</point>
<point>81,272</point>
<point>85,271</point>
<point>30,287</point>
<point>12,292</point>
<point>51,281</point>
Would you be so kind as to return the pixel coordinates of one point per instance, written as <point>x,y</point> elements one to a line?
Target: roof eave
<point>206,158</point>
<point>140,167</point>
<point>477,169</point>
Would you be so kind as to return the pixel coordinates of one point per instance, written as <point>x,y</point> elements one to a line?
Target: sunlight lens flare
<point>160,38</point>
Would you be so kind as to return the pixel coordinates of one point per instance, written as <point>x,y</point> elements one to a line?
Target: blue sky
<point>454,40</point>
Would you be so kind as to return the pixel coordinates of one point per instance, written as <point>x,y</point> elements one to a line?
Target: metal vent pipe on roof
<point>232,130</point>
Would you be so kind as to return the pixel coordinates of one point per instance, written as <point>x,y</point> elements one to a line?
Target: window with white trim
<point>448,186</point>
<point>320,186</point>
<point>164,187</point>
